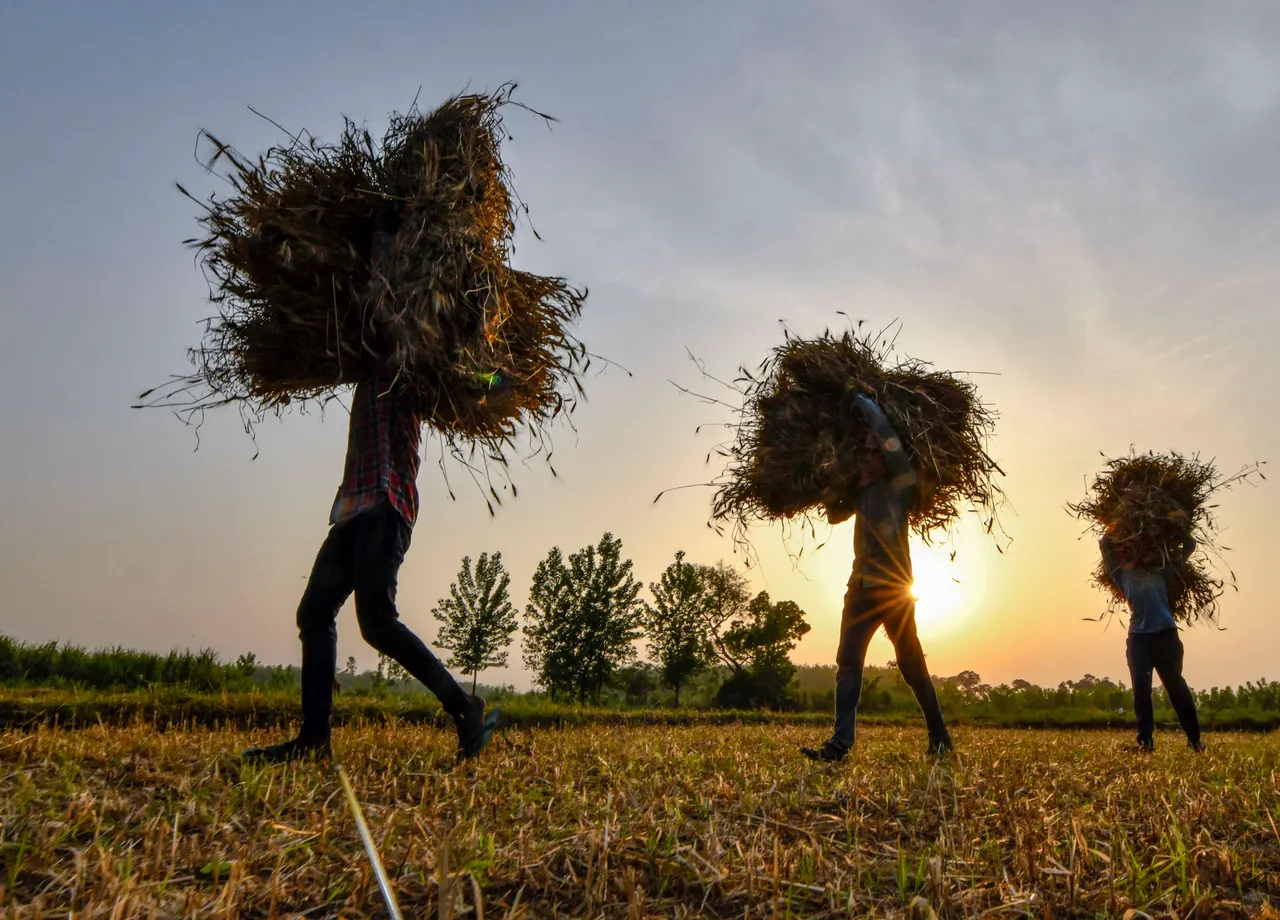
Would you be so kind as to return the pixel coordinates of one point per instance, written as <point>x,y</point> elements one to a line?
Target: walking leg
<point>1140,667</point>
<point>1168,664</point>
<point>327,590</point>
<point>857,625</point>
<point>381,543</point>
<point>911,662</point>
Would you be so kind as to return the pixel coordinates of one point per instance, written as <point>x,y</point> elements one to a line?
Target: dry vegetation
<point>800,440</point>
<point>324,259</point>
<point>640,822</point>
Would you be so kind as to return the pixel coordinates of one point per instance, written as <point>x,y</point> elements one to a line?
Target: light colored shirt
<point>1146,590</point>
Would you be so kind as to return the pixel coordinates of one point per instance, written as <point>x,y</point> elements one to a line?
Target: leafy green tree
<point>758,642</point>
<point>583,620</point>
<point>550,619</point>
<point>477,619</point>
<point>727,597</point>
<point>676,623</point>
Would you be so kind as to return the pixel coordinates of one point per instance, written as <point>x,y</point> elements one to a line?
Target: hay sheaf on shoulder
<point>327,257</point>
<point>1148,505</point>
<point>801,440</point>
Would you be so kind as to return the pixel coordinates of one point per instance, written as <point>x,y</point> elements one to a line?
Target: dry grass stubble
<point>640,822</point>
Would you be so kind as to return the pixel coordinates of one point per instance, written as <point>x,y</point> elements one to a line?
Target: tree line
<point>585,617</point>
<point>711,643</point>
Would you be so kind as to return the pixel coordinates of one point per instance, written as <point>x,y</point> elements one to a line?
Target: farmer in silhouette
<point>1153,642</point>
<point>879,592</point>
<point>370,526</point>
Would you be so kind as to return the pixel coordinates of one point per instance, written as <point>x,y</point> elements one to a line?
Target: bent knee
<point>378,620</point>
<point>913,669</point>
<point>314,620</point>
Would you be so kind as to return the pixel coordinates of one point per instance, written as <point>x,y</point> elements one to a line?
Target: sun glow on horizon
<point>940,586</point>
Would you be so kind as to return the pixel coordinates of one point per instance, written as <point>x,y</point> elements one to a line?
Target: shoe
<point>828,753</point>
<point>940,746</point>
<point>1142,747</point>
<point>289,751</point>
<point>475,729</point>
<point>1197,746</point>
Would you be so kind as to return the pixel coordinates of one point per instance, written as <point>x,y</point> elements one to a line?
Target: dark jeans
<point>361,556</point>
<point>1162,652</point>
<point>865,611</point>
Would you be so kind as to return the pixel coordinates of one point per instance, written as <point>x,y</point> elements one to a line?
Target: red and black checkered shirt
<point>382,451</point>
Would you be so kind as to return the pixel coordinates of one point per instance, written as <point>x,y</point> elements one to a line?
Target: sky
<point>1077,202</point>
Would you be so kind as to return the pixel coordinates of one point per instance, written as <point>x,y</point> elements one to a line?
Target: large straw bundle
<point>1149,504</point>
<point>801,441</point>
<point>328,257</point>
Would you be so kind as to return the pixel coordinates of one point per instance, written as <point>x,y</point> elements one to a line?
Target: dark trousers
<point>361,556</point>
<point>865,611</point>
<point>1161,652</point>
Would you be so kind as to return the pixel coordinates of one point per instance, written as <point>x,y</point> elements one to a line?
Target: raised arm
<point>895,454</point>
<point>1109,559</point>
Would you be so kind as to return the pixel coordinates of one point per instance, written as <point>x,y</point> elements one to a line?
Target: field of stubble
<point>630,822</point>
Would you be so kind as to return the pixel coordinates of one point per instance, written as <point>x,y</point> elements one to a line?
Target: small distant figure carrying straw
<point>1147,510</point>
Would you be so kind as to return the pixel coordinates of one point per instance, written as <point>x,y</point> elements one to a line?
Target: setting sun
<point>937,587</point>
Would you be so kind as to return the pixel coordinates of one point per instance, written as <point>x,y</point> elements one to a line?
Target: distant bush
<point>51,664</point>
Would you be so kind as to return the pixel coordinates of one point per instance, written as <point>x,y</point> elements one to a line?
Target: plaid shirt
<point>382,451</point>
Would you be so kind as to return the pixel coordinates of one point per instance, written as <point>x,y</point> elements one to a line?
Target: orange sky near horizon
<point>1079,209</point>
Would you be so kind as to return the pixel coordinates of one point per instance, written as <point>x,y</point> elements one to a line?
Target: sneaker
<point>289,751</point>
<point>940,746</point>
<point>1142,747</point>
<point>1197,746</point>
<point>475,729</point>
<point>828,753</point>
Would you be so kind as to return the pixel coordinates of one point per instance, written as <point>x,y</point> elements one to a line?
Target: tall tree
<point>727,597</point>
<point>757,643</point>
<point>477,619</point>
<point>551,615</point>
<point>583,619</point>
<point>676,623</point>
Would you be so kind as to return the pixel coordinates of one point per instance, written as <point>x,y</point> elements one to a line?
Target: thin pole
<point>383,882</point>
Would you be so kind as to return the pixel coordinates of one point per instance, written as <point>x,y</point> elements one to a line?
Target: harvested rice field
<point>648,821</point>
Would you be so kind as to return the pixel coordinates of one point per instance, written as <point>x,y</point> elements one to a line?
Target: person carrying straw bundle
<point>828,427</point>
<point>1146,508</point>
<point>1153,642</point>
<point>384,267</point>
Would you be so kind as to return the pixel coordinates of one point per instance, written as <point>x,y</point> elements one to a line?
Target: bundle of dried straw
<point>1148,505</point>
<point>801,441</point>
<point>328,257</point>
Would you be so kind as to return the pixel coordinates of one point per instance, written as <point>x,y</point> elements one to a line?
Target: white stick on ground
<point>383,882</point>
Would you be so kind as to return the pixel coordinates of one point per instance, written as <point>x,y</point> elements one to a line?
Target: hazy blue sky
<point>1081,198</point>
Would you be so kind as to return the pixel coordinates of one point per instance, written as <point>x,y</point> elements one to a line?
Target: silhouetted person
<point>879,592</point>
<point>1153,642</point>
<point>371,524</point>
